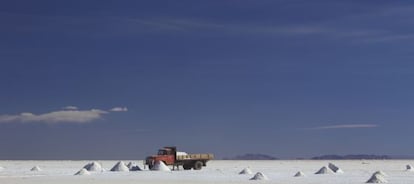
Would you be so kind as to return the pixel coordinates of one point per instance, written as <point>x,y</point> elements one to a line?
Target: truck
<point>170,156</point>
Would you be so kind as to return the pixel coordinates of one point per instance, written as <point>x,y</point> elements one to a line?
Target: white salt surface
<point>219,172</point>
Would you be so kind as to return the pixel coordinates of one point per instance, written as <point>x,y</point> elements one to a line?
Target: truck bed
<point>195,157</point>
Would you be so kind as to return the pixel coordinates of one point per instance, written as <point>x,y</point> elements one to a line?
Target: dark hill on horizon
<point>251,156</point>
<point>258,156</point>
<point>352,157</point>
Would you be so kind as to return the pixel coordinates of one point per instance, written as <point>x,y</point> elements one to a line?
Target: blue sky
<point>285,78</point>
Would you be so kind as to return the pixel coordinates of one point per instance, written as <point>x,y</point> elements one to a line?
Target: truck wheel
<point>186,167</point>
<point>198,165</point>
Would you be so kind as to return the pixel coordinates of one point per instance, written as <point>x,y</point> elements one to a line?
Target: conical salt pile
<point>83,171</point>
<point>299,174</point>
<point>246,171</point>
<point>36,168</point>
<point>132,166</point>
<point>409,168</point>
<point>335,168</point>
<point>93,166</point>
<point>120,166</point>
<point>160,166</point>
<point>377,178</point>
<point>380,173</point>
<point>324,170</point>
<point>259,176</point>
<point>339,171</point>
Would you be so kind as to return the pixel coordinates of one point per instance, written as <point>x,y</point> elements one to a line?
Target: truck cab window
<point>162,152</point>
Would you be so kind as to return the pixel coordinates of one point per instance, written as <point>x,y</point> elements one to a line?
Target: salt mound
<point>409,168</point>
<point>246,171</point>
<point>380,173</point>
<point>160,166</point>
<point>335,168</point>
<point>299,174</point>
<point>339,171</point>
<point>132,166</point>
<point>324,170</point>
<point>259,176</point>
<point>120,166</point>
<point>83,171</point>
<point>180,153</point>
<point>36,168</point>
<point>93,166</point>
<point>377,178</point>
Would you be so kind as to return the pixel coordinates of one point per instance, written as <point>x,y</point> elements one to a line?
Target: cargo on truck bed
<point>195,156</point>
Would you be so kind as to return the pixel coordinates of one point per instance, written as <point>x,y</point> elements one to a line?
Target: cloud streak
<point>355,28</point>
<point>331,31</point>
<point>119,109</point>
<point>70,114</point>
<point>346,126</point>
<point>350,27</point>
<point>70,108</point>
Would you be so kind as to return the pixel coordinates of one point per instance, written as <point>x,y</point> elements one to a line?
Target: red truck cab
<point>167,155</point>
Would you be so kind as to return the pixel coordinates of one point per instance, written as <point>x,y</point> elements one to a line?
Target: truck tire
<point>187,167</point>
<point>198,165</point>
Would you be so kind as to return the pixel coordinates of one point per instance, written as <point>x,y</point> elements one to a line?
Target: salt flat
<point>280,171</point>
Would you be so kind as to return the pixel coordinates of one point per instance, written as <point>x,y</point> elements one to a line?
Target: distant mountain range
<point>352,157</point>
<point>251,156</point>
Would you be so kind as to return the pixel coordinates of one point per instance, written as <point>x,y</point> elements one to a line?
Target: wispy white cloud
<point>70,108</point>
<point>355,34</point>
<point>389,38</point>
<point>61,116</point>
<point>119,109</point>
<point>350,27</point>
<point>346,126</point>
<point>186,25</point>
<point>136,26</point>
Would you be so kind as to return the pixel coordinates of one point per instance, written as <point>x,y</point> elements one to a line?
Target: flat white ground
<point>281,171</point>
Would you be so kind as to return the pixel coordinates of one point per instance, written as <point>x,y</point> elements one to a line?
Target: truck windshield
<point>162,152</point>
